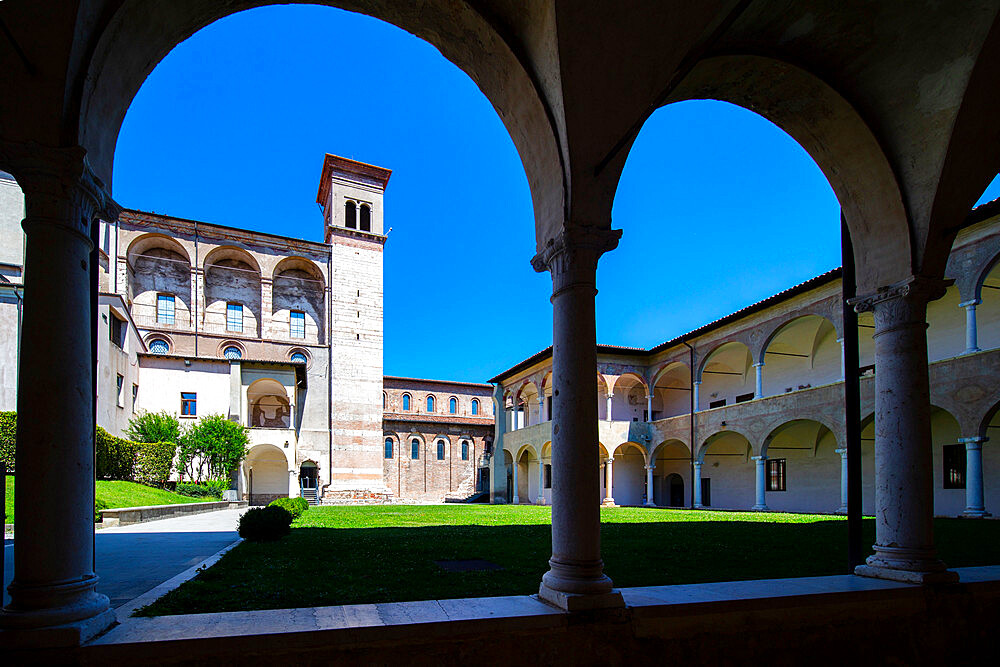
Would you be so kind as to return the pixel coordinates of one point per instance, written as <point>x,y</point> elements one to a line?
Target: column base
<point>698,506</point>
<point>760,508</point>
<point>906,576</point>
<point>57,636</point>
<point>649,505</point>
<point>540,500</point>
<point>608,502</point>
<point>515,501</point>
<point>975,513</point>
<point>841,510</point>
<point>580,601</point>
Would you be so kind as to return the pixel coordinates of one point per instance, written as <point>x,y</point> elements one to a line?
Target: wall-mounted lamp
<point>187,362</point>
<point>286,444</point>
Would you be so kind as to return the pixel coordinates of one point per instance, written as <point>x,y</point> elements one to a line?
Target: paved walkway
<point>133,559</point>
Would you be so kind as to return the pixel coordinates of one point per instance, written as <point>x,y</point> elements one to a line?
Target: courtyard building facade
<point>747,412</point>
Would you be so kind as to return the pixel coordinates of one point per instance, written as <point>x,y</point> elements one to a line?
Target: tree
<point>213,446</point>
<point>154,427</point>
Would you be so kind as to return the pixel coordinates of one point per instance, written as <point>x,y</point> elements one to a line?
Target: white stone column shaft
<point>541,483</point>
<point>843,359</point>
<point>54,582</point>
<point>609,481</point>
<point>843,480</point>
<point>761,483</point>
<point>649,486</point>
<point>513,484</point>
<point>971,330</point>
<point>610,397</point>
<point>904,480</point>
<point>575,579</point>
<point>697,484</point>
<point>974,502</point>
<point>759,385</point>
<point>541,408</point>
<point>696,384</point>
<point>649,408</point>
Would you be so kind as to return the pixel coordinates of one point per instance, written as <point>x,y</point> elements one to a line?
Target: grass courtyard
<point>352,555</point>
<point>115,494</point>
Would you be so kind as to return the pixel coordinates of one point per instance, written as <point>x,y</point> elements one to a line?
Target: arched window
<point>430,404</point>
<point>440,450</point>
<point>159,346</point>
<point>465,451</point>
<point>406,402</point>
<point>414,449</point>
<point>388,448</point>
<point>366,218</point>
<point>384,400</point>
<point>232,352</point>
<point>475,406</point>
<point>350,215</point>
<point>453,406</point>
<point>299,356</point>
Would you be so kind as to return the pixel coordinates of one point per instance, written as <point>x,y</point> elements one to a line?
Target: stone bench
<point>124,516</point>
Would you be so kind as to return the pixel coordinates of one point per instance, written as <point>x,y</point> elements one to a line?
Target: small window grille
<point>299,356</point>
<point>232,352</point>
<point>717,404</point>
<point>159,346</point>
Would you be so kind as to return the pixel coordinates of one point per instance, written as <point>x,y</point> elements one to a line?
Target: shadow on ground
<point>334,566</point>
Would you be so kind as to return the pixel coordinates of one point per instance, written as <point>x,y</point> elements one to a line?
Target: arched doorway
<point>265,474</point>
<point>309,481</point>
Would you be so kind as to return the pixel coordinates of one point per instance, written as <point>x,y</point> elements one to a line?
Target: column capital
<point>758,458</point>
<point>975,442</point>
<point>698,464</point>
<point>759,364</point>
<point>60,186</point>
<point>842,451</point>
<point>902,303</point>
<point>652,467</point>
<point>610,459</point>
<point>571,256</point>
<point>696,382</point>
<point>970,303</point>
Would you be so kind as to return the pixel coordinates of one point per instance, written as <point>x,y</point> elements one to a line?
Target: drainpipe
<point>196,288</point>
<point>691,413</point>
<point>329,363</point>
<point>852,401</point>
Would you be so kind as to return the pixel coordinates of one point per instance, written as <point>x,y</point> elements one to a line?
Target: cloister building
<point>282,335</point>
<point>760,394</point>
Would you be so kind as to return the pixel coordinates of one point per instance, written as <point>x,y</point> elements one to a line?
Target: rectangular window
<point>234,317</point>
<point>954,466</point>
<point>465,451</point>
<point>189,404</point>
<point>706,491</point>
<point>388,448</point>
<point>164,309</point>
<point>548,477</point>
<point>717,404</point>
<point>117,330</point>
<point>121,391</point>
<point>776,474</point>
<point>297,324</point>
<point>135,396</point>
<point>743,398</point>
<point>414,449</point>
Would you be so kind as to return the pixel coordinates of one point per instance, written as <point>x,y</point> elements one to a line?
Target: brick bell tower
<point>350,194</point>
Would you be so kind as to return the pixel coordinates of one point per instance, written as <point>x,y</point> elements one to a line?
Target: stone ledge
<point>125,516</point>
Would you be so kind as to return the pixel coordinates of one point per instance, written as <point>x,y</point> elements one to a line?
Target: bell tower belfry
<point>350,195</point>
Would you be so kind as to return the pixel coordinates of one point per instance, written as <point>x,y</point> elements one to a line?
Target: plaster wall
<point>9,334</point>
<point>113,414</point>
<point>629,477</point>
<point>11,234</point>
<point>163,380</point>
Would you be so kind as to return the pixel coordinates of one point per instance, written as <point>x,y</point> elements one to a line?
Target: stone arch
<point>629,474</point>
<point>728,370</point>
<point>671,387</point>
<point>527,394</point>
<point>715,437</point>
<point>800,353</point>
<point>810,431</point>
<point>158,265</point>
<point>837,138</point>
<point>629,397</point>
<point>268,404</point>
<point>232,276</point>
<point>266,473</point>
<point>137,36</point>
<point>297,285</point>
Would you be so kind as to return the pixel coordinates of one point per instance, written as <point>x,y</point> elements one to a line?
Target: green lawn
<point>116,494</point>
<point>351,555</point>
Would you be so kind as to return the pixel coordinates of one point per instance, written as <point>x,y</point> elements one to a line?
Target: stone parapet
<point>124,516</point>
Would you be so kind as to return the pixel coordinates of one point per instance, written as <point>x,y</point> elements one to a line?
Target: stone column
<point>843,480</point>
<point>514,500</point>
<point>697,484</point>
<point>761,503</point>
<point>541,408</point>
<point>576,578</point>
<point>696,384</point>
<point>904,492</point>
<point>610,396</point>
<point>541,483</point>
<point>759,386</point>
<point>971,331</point>
<point>498,467</point>
<point>843,360</point>
<point>266,307</point>
<point>649,485</point>
<point>974,504</point>
<point>649,408</point>
<point>54,601</point>
<point>609,481</point>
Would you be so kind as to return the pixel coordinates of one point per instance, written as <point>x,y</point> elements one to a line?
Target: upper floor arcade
<point>787,344</point>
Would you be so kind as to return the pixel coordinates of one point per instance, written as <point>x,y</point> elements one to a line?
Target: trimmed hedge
<point>153,462</point>
<point>265,524</point>
<point>212,488</point>
<point>294,506</point>
<point>8,436</point>
<point>115,456</point>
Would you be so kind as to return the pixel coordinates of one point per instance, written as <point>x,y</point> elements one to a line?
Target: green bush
<point>294,506</point>
<point>115,456</point>
<point>217,486</point>
<point>265,524</point>
<point>8,436</point>
<point>153,462</point>
<point>98,506</point>
<point>195,490</point>
<point>154,427</point>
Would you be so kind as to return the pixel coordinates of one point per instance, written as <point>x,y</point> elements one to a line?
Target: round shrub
<point>260,524</point>
<point>292,505</point>
<point>98,506</point>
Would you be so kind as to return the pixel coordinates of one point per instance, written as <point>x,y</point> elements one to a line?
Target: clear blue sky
<point>719,208</point>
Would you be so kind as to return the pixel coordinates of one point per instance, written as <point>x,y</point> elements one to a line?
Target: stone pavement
<point>133,559</point>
